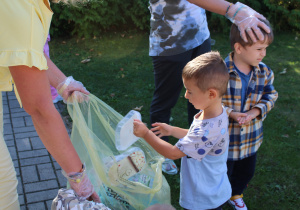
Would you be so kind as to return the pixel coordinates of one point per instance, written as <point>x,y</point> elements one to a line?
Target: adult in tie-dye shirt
<point>179,33</point>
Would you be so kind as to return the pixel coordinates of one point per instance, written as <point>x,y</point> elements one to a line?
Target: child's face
<point>197,97</point>
<point>254,54</point>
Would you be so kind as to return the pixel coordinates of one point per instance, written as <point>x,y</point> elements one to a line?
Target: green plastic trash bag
<point>93,136</point>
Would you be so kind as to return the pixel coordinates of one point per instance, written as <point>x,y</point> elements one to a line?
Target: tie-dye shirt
<point>176,27</point>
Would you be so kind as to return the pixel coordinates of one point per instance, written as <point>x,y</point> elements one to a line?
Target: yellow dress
<point>24,26</point>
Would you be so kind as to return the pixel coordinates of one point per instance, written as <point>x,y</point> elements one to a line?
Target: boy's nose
<point>186,95</point>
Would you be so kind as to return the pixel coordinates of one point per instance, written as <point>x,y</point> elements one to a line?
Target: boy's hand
<point>162,129</point>
<point>251,114</point>
<point>238,116</point>
<point>246,120</point>
<point>139,128</point>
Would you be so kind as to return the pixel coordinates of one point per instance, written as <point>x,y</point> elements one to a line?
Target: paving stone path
<point>38,173</point>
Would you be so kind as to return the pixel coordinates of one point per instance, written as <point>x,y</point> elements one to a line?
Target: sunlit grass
<point>120,73</point>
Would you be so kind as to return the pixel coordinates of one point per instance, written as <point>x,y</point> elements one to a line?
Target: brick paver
<point>38,173</point>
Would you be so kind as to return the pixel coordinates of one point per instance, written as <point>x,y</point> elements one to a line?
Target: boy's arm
<point>228,110</point>
<point>162,147</point>
<point>163,129</point>
<point>269,96</point>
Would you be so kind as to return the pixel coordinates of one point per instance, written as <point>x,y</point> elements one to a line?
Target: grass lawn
<point>120,73</point>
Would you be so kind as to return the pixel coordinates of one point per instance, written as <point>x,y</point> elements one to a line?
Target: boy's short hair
<point>235,36</point>
<point>209,71</point>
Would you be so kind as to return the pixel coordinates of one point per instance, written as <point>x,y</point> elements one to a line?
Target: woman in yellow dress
<point>24,26</point>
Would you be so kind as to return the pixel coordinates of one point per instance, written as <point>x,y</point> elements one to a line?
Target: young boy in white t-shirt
<point>204,147</point>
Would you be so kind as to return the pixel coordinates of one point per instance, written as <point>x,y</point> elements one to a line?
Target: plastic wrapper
<point>93,136</point>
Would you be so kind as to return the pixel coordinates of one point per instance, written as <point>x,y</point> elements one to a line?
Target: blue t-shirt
<point>245,82</point>
<point>204,182</point>
<point>176,27</point>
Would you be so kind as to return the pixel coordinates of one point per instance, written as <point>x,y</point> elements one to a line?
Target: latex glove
<point>80,183</point>
<point>247,21</point>
<point>72,87</point>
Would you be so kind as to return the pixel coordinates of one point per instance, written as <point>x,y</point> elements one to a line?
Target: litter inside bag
<point>127,179</point>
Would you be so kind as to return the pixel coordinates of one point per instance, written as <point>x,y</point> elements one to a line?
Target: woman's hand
<point>81,184</point>
<point>72,87</point>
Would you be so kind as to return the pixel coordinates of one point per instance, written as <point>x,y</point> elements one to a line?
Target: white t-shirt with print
<point>203,176</point>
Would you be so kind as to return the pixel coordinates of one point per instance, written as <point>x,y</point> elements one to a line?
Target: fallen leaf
<point>130,37</point>
<point>122,35</point>
<point>283,71</point>
<point>91,50</point>
<point>138,108</point>
<point>82,38</point>
<point>285,136</point>
<point>94,37</point>
<point>64,42</point>
<point>121,69</point>
<point>86,60</point>
<point>112,95</point>
<point>76,54</point>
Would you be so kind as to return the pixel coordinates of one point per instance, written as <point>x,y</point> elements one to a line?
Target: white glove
<point>80,183</point>
<point>72,87</point>
<point>247,20</point>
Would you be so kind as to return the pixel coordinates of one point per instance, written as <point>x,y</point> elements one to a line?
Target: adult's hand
<point>72,87</point>
<point>247,21</point>
<point>81,184</point>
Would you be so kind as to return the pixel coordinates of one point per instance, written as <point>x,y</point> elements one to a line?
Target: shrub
<point>97,16</point>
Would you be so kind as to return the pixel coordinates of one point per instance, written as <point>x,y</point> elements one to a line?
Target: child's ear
<point>237,48</point>
<point>213,93</point>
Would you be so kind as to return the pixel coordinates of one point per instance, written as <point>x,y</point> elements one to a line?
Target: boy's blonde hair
<point>209,71</point>
<point>235,36</point>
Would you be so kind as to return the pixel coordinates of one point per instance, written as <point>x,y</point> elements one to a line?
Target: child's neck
<point>241,65</point>
<point>212,111</point>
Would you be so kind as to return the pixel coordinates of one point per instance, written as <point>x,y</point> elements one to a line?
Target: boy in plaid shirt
<point>250,96</point>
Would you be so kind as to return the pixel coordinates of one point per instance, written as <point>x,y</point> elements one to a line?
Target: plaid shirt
<point>245,140</point>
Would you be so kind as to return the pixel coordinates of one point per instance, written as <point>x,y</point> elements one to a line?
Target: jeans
<point>168,83</point>
<point>240,173</point>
